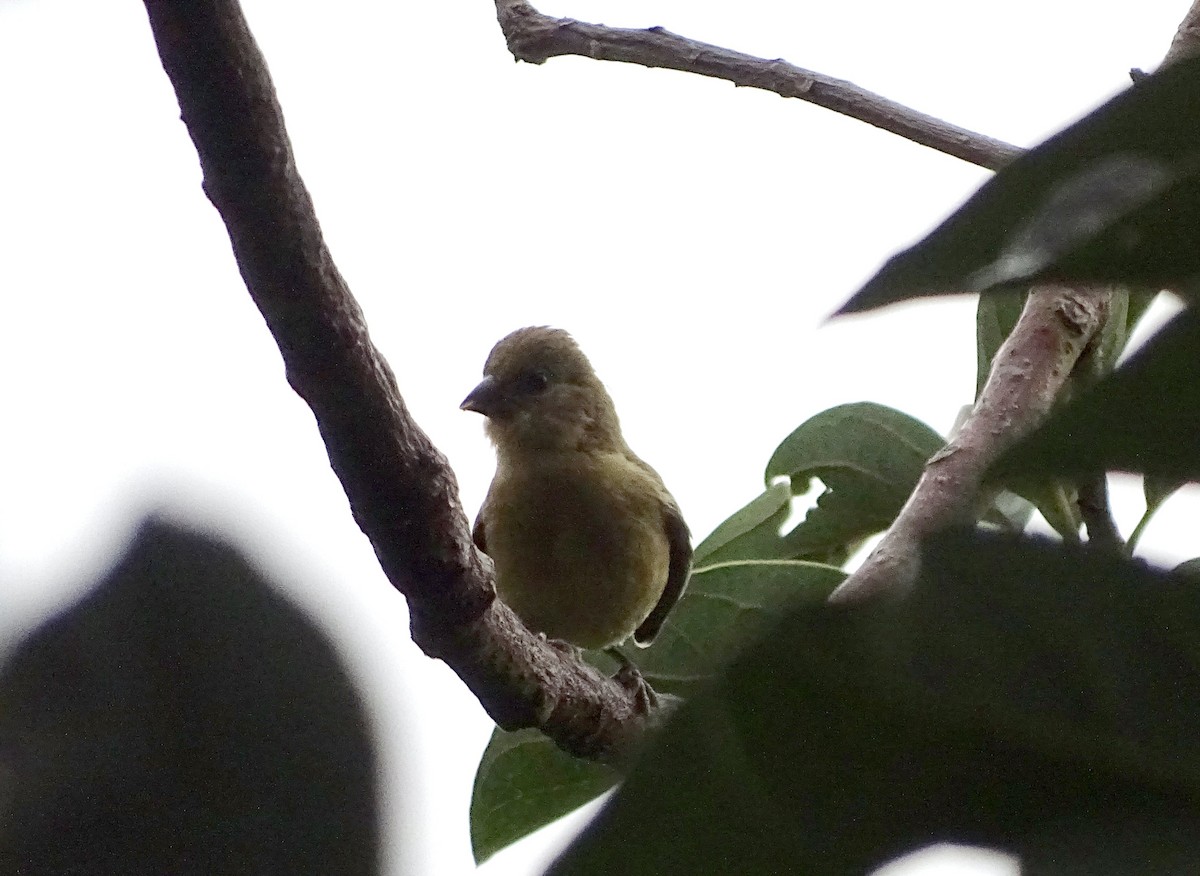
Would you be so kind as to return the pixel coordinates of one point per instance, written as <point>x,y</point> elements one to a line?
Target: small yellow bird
<point>589,546</point>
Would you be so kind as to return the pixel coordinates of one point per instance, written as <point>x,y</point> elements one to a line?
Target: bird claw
<point>630,677</point>
<point>644,698</point>
<point>562,646</point>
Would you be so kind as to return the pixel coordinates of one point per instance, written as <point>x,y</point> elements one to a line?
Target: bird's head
<point>539,393</point>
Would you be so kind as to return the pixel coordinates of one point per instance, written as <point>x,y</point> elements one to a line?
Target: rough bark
<point>401,489</point>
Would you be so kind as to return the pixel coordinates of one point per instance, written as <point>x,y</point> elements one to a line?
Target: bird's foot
<point>562,646</point>
<point>630,678</point>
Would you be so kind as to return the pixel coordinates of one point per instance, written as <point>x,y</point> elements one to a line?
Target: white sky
<point>691,235</point>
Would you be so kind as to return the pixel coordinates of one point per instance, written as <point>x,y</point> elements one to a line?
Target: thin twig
<point>1136,536</point>
<point>401,489</point>
<point>534,37</point>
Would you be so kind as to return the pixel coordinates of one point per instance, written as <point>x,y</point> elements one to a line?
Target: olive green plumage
<point>589,546</point>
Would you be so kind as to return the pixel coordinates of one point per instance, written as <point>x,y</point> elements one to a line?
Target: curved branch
<point>401,489</point>
<point>1186,41</point>
<point>1028,374</point>
<point>534,37</point>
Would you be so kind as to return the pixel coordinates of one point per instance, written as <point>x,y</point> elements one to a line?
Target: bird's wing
<point>679,542</point>
<point>478,534</point>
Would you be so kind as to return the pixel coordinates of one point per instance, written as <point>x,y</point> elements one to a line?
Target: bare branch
<point>1187,38</point>
<point>401,489</point>
<point>535,37</point>
<point>1028,373</point>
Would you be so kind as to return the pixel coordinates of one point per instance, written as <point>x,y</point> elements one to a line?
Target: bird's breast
<point>579,546</point>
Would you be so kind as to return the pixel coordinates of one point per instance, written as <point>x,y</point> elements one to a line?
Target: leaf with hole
<point>868,456</point>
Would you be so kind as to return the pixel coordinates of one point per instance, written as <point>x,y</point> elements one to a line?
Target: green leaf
<point>1028,696</point>
<point>749,531</point>
<point>1058,504</point>
<point>1113,198</point>
<point>869,458</point>
<point>871,441</point>
<point>724,606</point>
<point>524,782</point>
<point>1158,489</point>
<point>1144,417</point>
<point>1009,511</point>
<point>1140,300</point>
<point>1102,354</point>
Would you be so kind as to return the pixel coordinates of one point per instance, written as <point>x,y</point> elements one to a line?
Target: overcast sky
<point>693,237</point>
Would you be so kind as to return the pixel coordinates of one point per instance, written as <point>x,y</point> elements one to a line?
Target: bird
<point>589,547</point>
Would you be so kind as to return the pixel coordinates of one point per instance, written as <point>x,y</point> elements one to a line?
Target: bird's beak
<point>486,399</point>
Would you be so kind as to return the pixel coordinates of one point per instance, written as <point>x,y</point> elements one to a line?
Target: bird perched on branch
<point>588,545</point>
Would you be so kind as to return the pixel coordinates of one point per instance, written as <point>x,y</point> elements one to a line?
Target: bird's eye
<point>533,382</point>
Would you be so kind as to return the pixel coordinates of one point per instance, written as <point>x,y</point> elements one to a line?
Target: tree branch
<point>1028,373</point>
<point>1027,376</point>
<point>401,489</point>
<point>534,37</point>
<point>1186,42</point>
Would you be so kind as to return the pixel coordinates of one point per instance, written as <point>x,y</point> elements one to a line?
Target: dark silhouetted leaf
<point>186,719</point>
<point>1079,208</point>
<point>1114,198</point>
<point>1189,569</point>
<point>524,782</point>
<point>1027,696</point>
<point>1157,490</point>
